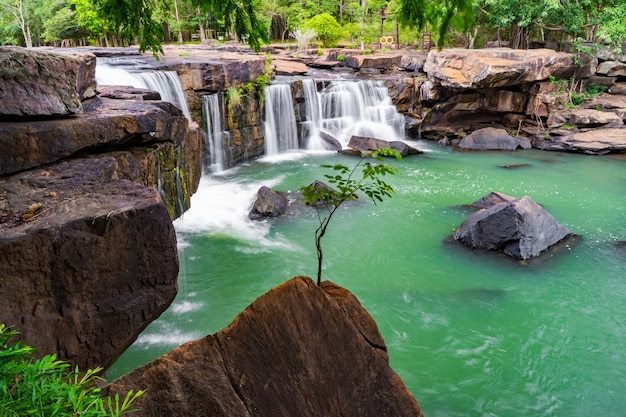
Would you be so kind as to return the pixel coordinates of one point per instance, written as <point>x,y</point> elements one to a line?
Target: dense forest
<point>348,23</point>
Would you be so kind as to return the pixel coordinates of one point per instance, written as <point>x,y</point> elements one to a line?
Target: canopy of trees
<point>467,23</point>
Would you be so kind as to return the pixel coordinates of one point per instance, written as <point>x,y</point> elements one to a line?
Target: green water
<point>470,333</point>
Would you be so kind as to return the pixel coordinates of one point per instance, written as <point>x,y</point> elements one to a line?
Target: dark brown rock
<point>520,228</point>
<point>105,122</point>
<point>44,84</point>
<point>299,350</point>
<point>86,261</point>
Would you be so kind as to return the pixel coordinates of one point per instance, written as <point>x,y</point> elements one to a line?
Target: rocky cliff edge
<point>299,350</point>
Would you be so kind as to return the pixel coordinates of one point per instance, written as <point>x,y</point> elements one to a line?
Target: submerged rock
<point>520,228</point>
<point>299,350</point>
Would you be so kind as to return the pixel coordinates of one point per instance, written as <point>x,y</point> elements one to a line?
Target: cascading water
<point>313,114</point>
<point>166,83</point>
<point>361,108</point>
<point>215,136</point>
<point>281,133</point>
<point>341,109</point>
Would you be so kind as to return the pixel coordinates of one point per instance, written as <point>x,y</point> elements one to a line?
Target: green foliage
<point>47,387</point>
<point>340,58</point>
<point>443,15</point>
<point>347,185</point>
<point>328,30</point>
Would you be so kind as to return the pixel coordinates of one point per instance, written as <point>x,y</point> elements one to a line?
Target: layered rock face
<point>299,350</point>
<point>31,85</point>
<point>86,260</point>
<point>88,253</point>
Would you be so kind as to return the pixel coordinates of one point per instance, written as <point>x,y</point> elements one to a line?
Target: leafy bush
<point>328,30</point>
<point>46,387</point>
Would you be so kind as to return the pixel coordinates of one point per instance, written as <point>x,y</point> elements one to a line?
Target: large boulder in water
<point>268,203</point>
<point>299,350</point>
<point>87,261</point>
<point>366,144</point>
<point>44,84</point>
<point>520,228</point>
<point>491,138</point>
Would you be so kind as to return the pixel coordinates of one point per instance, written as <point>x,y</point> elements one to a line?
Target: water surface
<point>471,333</point>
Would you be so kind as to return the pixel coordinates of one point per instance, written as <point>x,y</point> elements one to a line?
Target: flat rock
<point>104,122</point>
<point>289,67</point>
<point>495,67</point>
<point>520,228</point>
<point>44,84</point>
<point>582,118</point>
<point>596,141</point>
<point>86,261</point>
<point>299,350</point>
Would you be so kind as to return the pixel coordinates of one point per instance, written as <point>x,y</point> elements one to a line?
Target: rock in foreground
<point>520,228</point>
<point>299,350</point>
<point>86,261</point>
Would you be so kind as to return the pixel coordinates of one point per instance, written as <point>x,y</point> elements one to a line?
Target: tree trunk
<point>471,38</point>
<point>180,31</point>
<point>519,37</point>
<point>363,5</point>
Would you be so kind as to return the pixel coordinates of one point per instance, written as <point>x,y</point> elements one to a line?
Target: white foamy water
<point>165,334</point>
<point>221,207</point>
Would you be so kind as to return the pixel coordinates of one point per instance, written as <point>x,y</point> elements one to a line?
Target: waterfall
<point>361,108</point>
<point>166,83</point>
<point>215,136</point>
<point>341,109</point>
<point>281,133</point>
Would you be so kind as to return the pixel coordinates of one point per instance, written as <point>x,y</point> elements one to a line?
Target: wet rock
<point>519,228</point>
<point>299,350</point>
<point>268,203</point>
<point>365,144</point>
<point>44,84</point>
<point>493,139</point>
<point>87,261</point>
<point>330,142</point>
